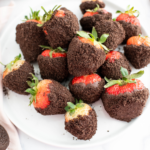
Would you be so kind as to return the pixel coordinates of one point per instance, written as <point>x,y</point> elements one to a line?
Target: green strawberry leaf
<point>72,111</point>
<point>71,108</point>
<point>33,16</point>
<point>33,88</point>
<point>67,108</point>
<point>80,101</point>
<point>47,15</point>
<point>79,105</point>
<point>118,11</point>
<point>83,34</point>
<point>114,19</point>
<point>124,72</point>
<point>135,75</point>
<point>51,54</point>
<point>71,105</point>
<point>94,33</point>
<point>8,66</point>
<point>106,79</point>
<point>113,82</point>
<point>103,38</point>
<point>31,91</point>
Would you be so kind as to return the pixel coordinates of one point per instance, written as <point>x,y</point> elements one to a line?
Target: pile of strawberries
<point>96,69</point>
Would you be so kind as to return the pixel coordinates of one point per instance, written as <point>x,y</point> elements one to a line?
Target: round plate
<point>50,129</point>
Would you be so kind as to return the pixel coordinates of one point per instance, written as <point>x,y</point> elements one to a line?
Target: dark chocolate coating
<point>53,68</point>
<point>16,80</point>
<point>91,5</point>
<point>29,36</point>
<point>58,97</point>
<point>83,127</point>
<point>88,22</point>
<point>89,93</point>
<point>4,138</point>
<point>84,58</point>
<point>138,56</point>
<point>111,70</point>
<point>115,31</point>
<point>130,30</point>
<point>61,30</point>
<point>125,106</point>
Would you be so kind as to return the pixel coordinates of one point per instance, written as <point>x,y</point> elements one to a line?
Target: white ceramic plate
<point>50,129</point>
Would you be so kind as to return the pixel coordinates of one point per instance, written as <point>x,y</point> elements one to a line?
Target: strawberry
<point>73,111</point>
<point>25,36</point>
<point>55,21</point>
<point>128,16</point>
<point>111,67</point>
<point>129,22</point>
<point>112,56</point>
<point>53,63</point>
<point>139,40</point>
<point>39,91</point>
<point>88,88</point>
<point>86,79</point>
<point>137,51</point>
<point>53,53</point>
<point>90,18</point>
<point>124,99</point>
<point>47,96</point>
<point>60,13</point>
<point>86,53</point>
<point>15,75</point>
<point>127,84</point>
<point>80,120</point>
<point>13,65</point>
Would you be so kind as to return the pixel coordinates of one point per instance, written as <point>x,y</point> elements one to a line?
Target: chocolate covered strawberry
<point>130,22</point>
<point>59,26</point>
<point>137,51</point>
<point>90,17</point>
<point>88,88</point>
<point>80,120</point>
<point>124,99</point>
<point>48,96</point>
<point>29,36</point>
<point>15,75</point>
<point>53,63</point>
<point>86,53</point>
<point>111,67</point>
<point>114,29</point>
<point>91,4</point>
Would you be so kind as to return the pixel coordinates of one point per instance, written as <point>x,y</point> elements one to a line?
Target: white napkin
<point>14,144</point>
<point>5,12</point>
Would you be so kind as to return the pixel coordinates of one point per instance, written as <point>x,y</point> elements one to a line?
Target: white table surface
<point>135,138</point>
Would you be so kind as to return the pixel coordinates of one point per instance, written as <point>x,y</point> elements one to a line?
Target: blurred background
<point>138,136</point>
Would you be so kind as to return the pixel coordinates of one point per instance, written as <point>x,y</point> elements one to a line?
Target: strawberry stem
<point>58,50</point>
<point>34,15</point>
<point>33,88</point>
<point>47,16</point>
<point>71,108</point>
<point>130,11</point>
<point>126,78</point>
<point>94,37</point>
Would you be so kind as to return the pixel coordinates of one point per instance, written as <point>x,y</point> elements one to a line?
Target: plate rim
<point>53,143</point>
